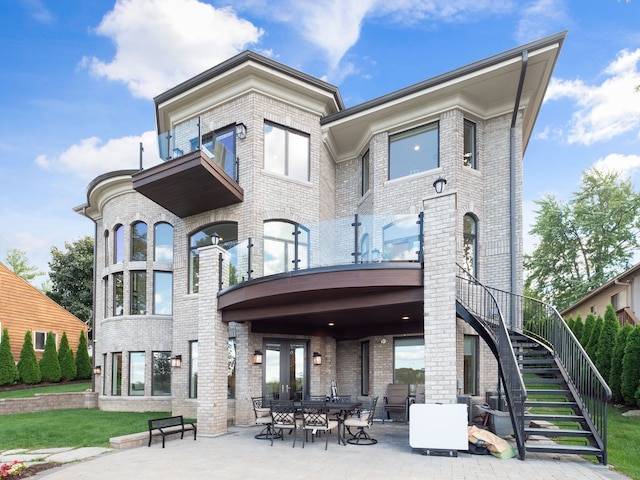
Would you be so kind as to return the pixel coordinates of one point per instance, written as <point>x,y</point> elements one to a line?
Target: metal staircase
<point>557,399</point>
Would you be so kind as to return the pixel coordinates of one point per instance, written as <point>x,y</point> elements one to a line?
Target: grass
<point>623,440</point>
<point>58,388</point>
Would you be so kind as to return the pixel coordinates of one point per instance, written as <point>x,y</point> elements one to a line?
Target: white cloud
<point>607,110</point>
<point>540,18</point>
<point>91,157</point>
<point>626,165</point>
<point>38,11</point>
<point>160,43</point>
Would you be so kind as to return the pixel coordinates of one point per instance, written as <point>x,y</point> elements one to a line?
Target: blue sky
<point>78,78</point>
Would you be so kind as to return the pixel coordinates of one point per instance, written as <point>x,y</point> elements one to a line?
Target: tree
<point>616,363</point>
<point>585,242</point>
<point>49,364</point>
<point>578,327</point>
<point>630,377</point>
<point>594,340</point>
<point>589,323</point>
<point>83,362</point>
<point>68,367</point>
<point>71,274</point>
<point>28,367</point>
<point>607,343</point>
<point>8,369</point>
<point>17,261</point>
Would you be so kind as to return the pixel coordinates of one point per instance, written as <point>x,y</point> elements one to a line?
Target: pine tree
<point>64,346</point>
<point>28,367</point>
<point>578,327</point>
<point>8,369</point>
<point>630,378</point>
<point>49,364</point>
<point>594,339</point>
<point>589,323</point>
<point>68,367</point>
<point>570,323</point>
<point>83,362</point>
<point>616,363</point>
<point>607,343</point>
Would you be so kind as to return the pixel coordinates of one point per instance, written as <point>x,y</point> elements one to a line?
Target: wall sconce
<point>97,370</point>
<point>439,185</point>
<point>176,361</point>
<point>241,131</point>
<point>215,239</point>
<point>257,357</point>
<point>317,358</point>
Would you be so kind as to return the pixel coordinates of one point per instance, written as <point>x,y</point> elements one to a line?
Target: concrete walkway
<point>237,455</point>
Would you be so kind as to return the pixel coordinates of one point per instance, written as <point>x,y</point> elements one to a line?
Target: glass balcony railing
<point>188,137</point>
<point>287,247</point>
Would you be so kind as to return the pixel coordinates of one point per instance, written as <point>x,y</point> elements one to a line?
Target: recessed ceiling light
<point>406,317</point>
<point>331,324</point>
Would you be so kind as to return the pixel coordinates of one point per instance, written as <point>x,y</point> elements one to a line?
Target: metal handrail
<point>479,301</point>
<point>543,322</point>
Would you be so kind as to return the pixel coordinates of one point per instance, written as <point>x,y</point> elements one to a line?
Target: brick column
<point>440,298</point>
<point>213,337</point>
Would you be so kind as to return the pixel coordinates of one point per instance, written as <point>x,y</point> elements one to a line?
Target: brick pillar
<point>440,298</point>
<point>213,337</point>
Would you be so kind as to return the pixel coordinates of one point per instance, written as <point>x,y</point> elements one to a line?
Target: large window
<point>366,168</point>
<point>162,293</point>
<point>138,288</point>
<point>118,244</point>
<point>220,146</point>
<point>116,374</point>
<point>227,233</point>
<point>470,386</point>
<point>136,373</point>
<point>118,294</point>
<point>408,362</point>
<point>470,245</point>
<point>401,240</point>
<point>161,381</point>
<point>231,368</point>
<point>193,369</point>
<point>286,247</point>
<point>163,238</point>
<point>414,151</point>
<point>365,366</point>
<point>286,152</point>
<point>138,241</point>
<point>470,144</point>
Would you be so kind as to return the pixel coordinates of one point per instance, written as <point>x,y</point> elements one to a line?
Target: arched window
<point>286,247</point>
<point>163,247</point>
<point>118,244</point>
<point>227,233</point>
<point>470,244</point>
<point>138,241</point>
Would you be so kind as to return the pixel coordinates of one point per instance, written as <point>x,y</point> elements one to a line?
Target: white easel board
<point>438,426</point>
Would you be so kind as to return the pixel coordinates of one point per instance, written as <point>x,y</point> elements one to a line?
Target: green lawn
<point>623,441</point>
<point>59,388</point>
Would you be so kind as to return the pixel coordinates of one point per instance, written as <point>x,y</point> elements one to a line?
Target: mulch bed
<point>32,470</point>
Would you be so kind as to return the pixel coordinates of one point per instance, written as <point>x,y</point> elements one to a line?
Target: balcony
<point>199,173</point>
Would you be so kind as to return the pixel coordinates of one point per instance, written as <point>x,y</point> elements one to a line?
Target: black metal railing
<point>479,302</point>
<point>543,322</point>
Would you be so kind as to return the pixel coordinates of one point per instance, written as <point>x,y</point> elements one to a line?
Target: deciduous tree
<point>18,262</point>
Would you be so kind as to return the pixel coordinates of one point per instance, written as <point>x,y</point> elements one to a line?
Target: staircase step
<point>541,392</point>
<point>537,380</point>
<point>538,371</point>
<point>546,404</point>
<point>536,361</point>
<point>567,449</point>
<point>557,432</point>
<point>554,417</point>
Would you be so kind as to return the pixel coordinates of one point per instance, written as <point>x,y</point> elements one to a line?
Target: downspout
<point>93,309</point>
<point>512,170</point>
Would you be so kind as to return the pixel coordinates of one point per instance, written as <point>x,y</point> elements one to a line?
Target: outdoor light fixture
<point>439,185</point>
<point>176,361</point>
<point>257,357</point>
<point>241,131</point>
<point>97,370</point>
<point>317,358</point>
<point>215,239</point>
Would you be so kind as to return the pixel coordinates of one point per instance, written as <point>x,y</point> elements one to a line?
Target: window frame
<point>154,373</point>
<point>474,367</point>
<point>470,159</point>
<point>133,375</point>
<point>156,311</point>
<point>118,294</point>
<point>157,247</point>
<point>193,369</point>
<point>118,244</point>
<point>365,172</point>
<point>139,300</point>
<point>470,261</point>
<point>406,135</point>
<point>139,252</point>
<point>116,374</point>
<point>287,151</point>
<point>410,341</point>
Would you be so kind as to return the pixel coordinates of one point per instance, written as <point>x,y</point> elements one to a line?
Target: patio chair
<point>283,417</point>
<point>420,396</point>
<point>262,413</point>
<point>315,418</point>
<point>397,400</point>
<point>362,420</point>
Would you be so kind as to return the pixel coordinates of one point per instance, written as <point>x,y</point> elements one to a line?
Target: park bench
<point>169,425</point>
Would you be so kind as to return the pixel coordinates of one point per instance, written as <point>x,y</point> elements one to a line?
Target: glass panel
<point>469,144</point>
<point>413,151</point>
<point>228,238</point>
<point>401,240</point>
<point>274,149</point>
<point>193,370</point>
<point>469,236</point>
<point>138,293</point>
<point>118,244</point>
<point>296,371</point>
<point>470,365</point>
<point>163,236</point>
<point>272,372</point>
<point>231,369</point>
<point>138,241</point>
<point>118,294</point>
<point>39,340</point>
<point>298,156</point>
<point>364,368</point>
<point>161,373</point>
<point>408,361</point>
<point>163,293</point>
<point>116,374</point>
<point>136,373</point>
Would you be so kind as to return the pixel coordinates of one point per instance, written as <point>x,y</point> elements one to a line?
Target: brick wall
<point>48,401</point>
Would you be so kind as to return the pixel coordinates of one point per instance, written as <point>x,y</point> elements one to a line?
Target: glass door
<point>285,370</point>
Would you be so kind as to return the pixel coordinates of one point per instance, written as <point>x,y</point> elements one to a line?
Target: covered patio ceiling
<point>345,302</point>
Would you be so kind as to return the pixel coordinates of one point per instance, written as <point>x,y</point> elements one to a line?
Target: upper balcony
<point>199,173</point>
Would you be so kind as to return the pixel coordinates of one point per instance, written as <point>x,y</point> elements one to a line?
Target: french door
<point>285,369</point>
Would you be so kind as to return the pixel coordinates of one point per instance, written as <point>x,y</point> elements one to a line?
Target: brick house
<point>287,241</point>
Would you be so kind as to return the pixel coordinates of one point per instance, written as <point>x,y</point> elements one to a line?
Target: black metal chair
<point>316,419</point>
<point>283,417</point>
<point>362,420</point>
<point>262,414</point>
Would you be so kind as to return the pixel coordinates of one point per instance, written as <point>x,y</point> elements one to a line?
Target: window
<point>286,247</point>
<point>107,293</point>
<point>116,374</point>
<point>161,381</point>
<point>401,240</point>
<point>118,294</point>
<point>286,152</point>
<point>104,374</point>
<point>118,244</point>
<point>469,158</point>
<point>163,247</point>
<point>228,233</point>
<point>138,293</point>
<point>193,369</point>
<point>231,368</point>
<point>220,146</point>
<point>615,302</point>
<point>136,373</point>
<point>413,151</point>
<point>470,245</point>
<point>39,340</point>
<point>470,384</point>
<point>106,248</point>
<point>364,368</point>
<point>162,293</point>
<point>365,173</point>
<point>138,241</point>
<point>408,362</point>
